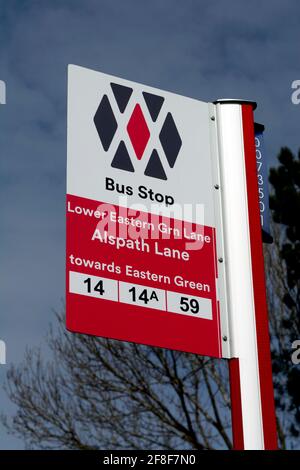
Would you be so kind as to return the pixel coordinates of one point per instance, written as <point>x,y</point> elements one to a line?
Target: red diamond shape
<point>138,131</point>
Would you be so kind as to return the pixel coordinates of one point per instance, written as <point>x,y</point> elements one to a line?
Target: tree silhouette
<point>285,204</point>
<point>95,393</point>
<point>104,394</point>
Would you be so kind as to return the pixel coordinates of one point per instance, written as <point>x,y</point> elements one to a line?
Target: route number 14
<point>98,287</point>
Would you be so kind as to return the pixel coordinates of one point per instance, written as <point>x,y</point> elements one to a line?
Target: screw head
<point>224,338</point>
<point>217,186</point>
<point>220,260</point>
<point>212,118</point>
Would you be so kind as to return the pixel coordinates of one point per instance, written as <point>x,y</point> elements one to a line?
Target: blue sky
<point>206,50</point>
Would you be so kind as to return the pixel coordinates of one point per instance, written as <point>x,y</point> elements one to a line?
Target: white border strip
<point>2,92</point>
<point>239,268</point>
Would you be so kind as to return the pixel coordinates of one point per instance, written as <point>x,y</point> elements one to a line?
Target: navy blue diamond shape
<point>105,123</point>
<point>170,140</point>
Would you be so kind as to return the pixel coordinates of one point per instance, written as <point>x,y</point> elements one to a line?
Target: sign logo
<point>138,132</point>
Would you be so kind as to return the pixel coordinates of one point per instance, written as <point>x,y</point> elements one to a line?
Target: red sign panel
<point>131,277</point>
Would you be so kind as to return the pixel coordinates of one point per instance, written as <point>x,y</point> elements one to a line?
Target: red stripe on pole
<point>259,286</point>
<point>236,405</point>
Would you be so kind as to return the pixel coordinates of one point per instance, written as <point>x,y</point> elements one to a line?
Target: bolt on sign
<point>164,243</point>
<point>143,219</point>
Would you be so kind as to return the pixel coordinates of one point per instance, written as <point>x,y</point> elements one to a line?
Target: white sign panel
<point>143,218</point>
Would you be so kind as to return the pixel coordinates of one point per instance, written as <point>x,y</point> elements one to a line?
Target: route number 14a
<point>144,296</point>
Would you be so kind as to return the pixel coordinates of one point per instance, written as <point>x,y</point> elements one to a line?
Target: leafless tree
<point>95,393</point>
<point>284,328</point>
<point>104,394</point>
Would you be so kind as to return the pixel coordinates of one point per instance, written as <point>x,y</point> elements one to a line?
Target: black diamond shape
<point>170,140</point>
<point>121,159</point>
<point>154,167</point>
<point>154,104</point>
<point>122,94</point>
<point>105,123</point>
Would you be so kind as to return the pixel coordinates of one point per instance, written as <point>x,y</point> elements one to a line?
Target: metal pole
<point>2,343</point>
<point>253,412</point>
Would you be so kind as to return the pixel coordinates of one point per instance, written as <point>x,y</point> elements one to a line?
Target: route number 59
<point>189,305</point>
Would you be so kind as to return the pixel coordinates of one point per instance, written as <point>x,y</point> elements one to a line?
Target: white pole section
<point>239,272</point>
